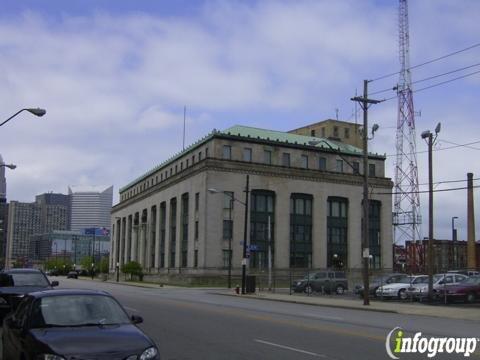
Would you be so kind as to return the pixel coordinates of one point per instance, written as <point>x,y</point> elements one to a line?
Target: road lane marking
<point>289,348</point>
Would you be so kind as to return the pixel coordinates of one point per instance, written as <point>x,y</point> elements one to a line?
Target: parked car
<point>322,281</point>
<point>467,291</point>
<point>74,324</point>
<point>399,290</point>
<point>420,291</point>
<point>72,275</point>
<point>52,272</point>
<point>465,272</point>
<point>381,280</point>
<point>15,283</point>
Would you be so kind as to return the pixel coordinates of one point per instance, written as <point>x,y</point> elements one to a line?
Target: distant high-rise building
<point>28,219</point>
<point>3,183</point>
<point>90,207</point>
<point>56,199</point>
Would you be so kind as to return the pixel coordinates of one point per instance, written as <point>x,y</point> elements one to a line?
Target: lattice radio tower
<point>406,219</point>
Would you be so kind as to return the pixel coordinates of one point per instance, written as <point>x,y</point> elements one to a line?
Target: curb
<point>294,301</point>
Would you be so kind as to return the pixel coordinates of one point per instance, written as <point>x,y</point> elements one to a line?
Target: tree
<point>133,268</point>
<point>104,265</point>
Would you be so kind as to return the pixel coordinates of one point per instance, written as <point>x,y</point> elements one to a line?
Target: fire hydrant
<point>237,289</point>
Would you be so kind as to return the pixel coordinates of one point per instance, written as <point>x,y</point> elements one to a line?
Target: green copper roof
<point>261,134</point>
<point>285,137</point>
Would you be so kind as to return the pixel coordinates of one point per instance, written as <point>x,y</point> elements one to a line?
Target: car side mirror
<point>54,283</point>
<point>136,319</point>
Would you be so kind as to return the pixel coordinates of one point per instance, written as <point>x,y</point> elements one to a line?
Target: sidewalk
<point>443,311</point>
<point>449,312</point>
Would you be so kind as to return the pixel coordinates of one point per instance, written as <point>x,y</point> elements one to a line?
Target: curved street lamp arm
<point>37,112</point>
<point>355,171</point>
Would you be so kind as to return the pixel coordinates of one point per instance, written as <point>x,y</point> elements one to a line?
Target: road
<point>199,324</point>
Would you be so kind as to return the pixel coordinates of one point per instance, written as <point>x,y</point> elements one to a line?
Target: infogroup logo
<point>397,343</point>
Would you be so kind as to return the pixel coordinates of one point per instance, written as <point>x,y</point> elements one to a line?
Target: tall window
<point>340,165</point>
<point>374,242</point>
<point>335,131</point>
<point>195,258</point>
<point>153,236</point>
<point>267,155</point>
<point>184,235</point>
<point>371,170</point>
<point>347,133</point>
<point>261,211</point>
<point>337,226</point>
<point>304,160</point>
<point>286,159</point>
<point>247,154</point>
<point>227,152</point>
<point>163,221</point>
<point>322,163</point>
<point>323,132</point>
<point>227,215</point>
<point>312,132</point>
<point>226,258</point>
<point>301,230</point>
<point>197,201</point>
<point>173,230</point>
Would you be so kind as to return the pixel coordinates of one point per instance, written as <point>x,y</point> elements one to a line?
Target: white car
<point>399,290</point>
<point>420,291</point>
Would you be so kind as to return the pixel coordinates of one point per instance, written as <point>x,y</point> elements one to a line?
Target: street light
<point>454,240</point>
<point>37,112</point>
<point>428,137</point>
<point>365,225</point>
<point>232,199</point>
<point>118,270</point>
<point>245,234</point>
<point>10,166</point>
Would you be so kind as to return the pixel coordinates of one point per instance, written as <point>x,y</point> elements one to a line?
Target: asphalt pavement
<point>203,323</point>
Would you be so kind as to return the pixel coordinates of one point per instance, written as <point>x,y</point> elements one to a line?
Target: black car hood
<point>94,342</point>
<point>19,290</point>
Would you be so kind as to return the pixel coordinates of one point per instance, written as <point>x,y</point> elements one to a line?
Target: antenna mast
<point>406,216</point>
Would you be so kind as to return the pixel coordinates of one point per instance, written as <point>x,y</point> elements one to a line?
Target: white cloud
<point>114,84</point>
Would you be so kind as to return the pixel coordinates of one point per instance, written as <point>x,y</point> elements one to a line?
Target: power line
<point>437,84</point>
<point>428,78</point>
<point>445,148</point>
<point>428,62</point>
<point>424,191</point>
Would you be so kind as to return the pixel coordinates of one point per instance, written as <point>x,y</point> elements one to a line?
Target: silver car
<point>420,291</point>
<point>399,290</point>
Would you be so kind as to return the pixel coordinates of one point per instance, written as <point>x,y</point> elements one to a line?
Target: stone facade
<point>171,223</point>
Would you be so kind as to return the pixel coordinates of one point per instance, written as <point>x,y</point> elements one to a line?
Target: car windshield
<point>77,310</point>
<point>29,279</point>
<point>421,280</point>
<point>312,276</point>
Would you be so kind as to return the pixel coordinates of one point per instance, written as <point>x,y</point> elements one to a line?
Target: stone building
<point>307,190</point>
<point>337,130</point>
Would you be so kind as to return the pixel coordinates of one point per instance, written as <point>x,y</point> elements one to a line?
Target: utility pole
<point>365,102</point>
<point>245,236</point>
<point>428,137</point>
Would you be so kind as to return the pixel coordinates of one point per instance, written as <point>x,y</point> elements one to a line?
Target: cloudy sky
<point>114,77</point>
